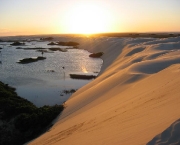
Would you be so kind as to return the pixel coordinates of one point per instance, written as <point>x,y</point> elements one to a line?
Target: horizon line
<point>100,33</point>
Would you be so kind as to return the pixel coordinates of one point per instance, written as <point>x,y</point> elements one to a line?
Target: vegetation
<point>29,60</point>
<point>17,43</point>
<point>96,55</point>
<point>20,120</point>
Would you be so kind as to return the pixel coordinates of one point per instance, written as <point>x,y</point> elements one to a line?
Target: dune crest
<point>134,98</point>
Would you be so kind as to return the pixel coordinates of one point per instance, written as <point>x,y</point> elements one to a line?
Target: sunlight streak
<point>84,69</point>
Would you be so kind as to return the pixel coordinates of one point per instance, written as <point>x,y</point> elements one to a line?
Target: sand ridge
<point>134,98</point>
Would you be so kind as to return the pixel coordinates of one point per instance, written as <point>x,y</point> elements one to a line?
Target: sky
<point>31,17</point>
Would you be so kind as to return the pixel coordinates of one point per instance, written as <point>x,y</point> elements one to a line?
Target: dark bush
<point>21,120</point>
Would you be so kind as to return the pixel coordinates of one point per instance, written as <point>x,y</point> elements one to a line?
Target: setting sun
<point>87,18</point>
<point>25,17</point>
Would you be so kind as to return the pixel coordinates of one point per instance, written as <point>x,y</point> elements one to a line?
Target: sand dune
<point>134,98</point>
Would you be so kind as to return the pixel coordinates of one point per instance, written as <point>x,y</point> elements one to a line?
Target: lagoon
<point>44,81</point>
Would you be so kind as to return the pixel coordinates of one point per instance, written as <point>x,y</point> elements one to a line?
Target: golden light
<point>84,69</point>
<point>87,18</point>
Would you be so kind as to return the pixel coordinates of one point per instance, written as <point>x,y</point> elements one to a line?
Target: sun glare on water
<point>87,18</point>
<point>84,70</point>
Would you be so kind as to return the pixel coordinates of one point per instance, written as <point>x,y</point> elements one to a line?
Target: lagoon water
<point>42,82</point>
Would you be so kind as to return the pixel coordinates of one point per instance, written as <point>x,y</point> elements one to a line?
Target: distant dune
<point>134,100</point>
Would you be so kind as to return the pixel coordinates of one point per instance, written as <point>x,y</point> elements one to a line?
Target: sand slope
<point>135,97</point>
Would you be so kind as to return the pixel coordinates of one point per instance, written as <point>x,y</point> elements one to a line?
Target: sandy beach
<point>134,100</point>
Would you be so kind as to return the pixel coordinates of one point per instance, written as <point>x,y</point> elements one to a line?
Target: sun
<point>87,18</point>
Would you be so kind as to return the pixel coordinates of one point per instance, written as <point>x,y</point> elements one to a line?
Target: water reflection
<point>42,82</point>
<point>84,70</point>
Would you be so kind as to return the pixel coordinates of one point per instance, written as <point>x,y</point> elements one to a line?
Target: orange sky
<point>29,17</point>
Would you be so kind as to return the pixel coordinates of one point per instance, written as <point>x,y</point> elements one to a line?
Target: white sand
<point>135,98</point>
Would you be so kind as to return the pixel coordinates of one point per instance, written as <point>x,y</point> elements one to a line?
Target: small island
<point>30,60</point>
<point>36,48</point>
<point>69,43</point>
<point>40,49</point>
<point>17,43</point>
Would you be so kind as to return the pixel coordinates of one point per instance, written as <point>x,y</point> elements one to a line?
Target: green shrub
<point>22,121</point>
